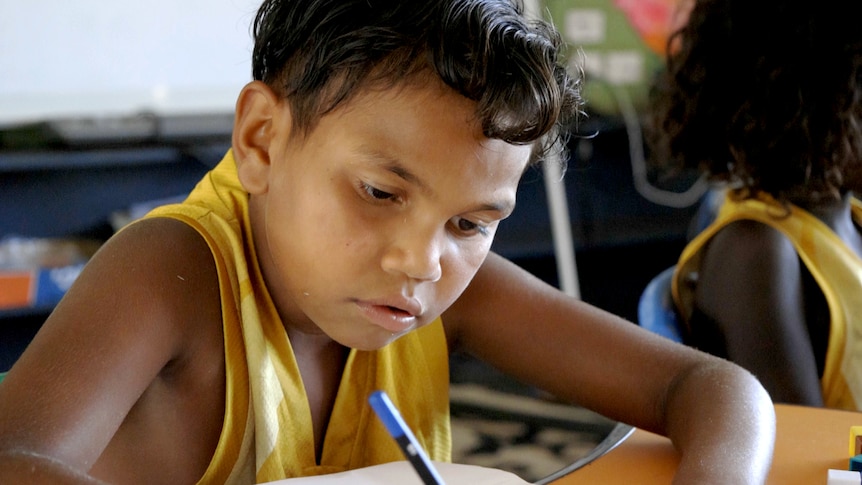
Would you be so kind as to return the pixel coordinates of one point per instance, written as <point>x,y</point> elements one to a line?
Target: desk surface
<point>809,441</point>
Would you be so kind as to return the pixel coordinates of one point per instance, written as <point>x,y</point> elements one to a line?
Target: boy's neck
<point>321,363</point>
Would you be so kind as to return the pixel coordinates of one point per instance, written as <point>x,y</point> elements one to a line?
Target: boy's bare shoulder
<point>131,359</point>
<point>158,271</point>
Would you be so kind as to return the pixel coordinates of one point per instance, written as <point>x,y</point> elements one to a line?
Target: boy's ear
<point>257,121</point>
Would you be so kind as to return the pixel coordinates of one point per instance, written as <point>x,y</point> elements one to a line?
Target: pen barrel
<point>394,423</point>
<point>421,463</point>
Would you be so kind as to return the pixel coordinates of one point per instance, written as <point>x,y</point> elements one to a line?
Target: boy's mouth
<point>398,310</point>
<point>393,318</point>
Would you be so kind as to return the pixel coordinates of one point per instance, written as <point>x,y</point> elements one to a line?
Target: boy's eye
<point>376,193</point>
<point>469,227</point>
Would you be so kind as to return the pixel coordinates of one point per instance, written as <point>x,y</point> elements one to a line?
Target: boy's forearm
<point>727,438</point>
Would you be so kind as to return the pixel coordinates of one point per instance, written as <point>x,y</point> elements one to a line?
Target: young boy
<point>342,246</point>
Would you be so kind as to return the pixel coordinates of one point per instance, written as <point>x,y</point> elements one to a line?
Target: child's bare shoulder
<point>136,345</point>
<point>157,271</point>
<point>750,251</point>
<point>749,270</point>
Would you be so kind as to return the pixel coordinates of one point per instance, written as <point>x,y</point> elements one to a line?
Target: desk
<point>809,441</point>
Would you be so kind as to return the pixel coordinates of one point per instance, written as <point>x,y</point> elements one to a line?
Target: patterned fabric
<point>267,432</point>
<point>835,267</point>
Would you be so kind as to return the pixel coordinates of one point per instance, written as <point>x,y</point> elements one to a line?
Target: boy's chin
<point>376,342</point>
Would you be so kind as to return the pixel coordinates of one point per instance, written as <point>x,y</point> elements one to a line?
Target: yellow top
<point>835,267</point>
<point>267,432</point>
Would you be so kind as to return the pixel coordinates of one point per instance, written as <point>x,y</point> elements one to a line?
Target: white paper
<point>402,473</point>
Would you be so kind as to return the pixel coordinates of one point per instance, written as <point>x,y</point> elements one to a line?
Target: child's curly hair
<point>319,53</point>
<point>765,95</point>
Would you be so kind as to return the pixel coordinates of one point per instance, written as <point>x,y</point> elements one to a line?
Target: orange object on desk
<point>808,442</point>
<point>16,288</point>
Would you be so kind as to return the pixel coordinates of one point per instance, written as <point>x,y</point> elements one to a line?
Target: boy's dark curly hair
<point>319,53</point>
<point>765,95</point>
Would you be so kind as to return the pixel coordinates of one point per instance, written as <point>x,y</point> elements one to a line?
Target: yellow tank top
<point>267,433</point>
<point>835,267</point>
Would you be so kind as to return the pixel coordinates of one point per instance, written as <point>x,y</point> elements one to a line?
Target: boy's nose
<point>415,255</point>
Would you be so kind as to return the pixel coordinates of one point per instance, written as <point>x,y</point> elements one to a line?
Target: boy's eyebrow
<point>392,165</point>
<point>388,163</point>
<point>405,174</point>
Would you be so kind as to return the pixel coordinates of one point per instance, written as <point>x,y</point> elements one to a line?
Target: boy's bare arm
<point>24,467</point>
<point>587,356</point>
<point>129,316</point>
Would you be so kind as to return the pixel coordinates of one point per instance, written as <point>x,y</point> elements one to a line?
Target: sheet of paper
<point>402,473</point>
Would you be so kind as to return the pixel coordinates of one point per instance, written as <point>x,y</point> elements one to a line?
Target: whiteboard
<point>96,58</point>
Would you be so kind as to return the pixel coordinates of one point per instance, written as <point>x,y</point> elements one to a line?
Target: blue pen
<point>391,418</point>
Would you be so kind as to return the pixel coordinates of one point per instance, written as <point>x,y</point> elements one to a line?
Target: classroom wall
<point>88,57</point>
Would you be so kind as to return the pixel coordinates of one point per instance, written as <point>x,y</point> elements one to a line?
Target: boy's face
<point>376,221</point>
